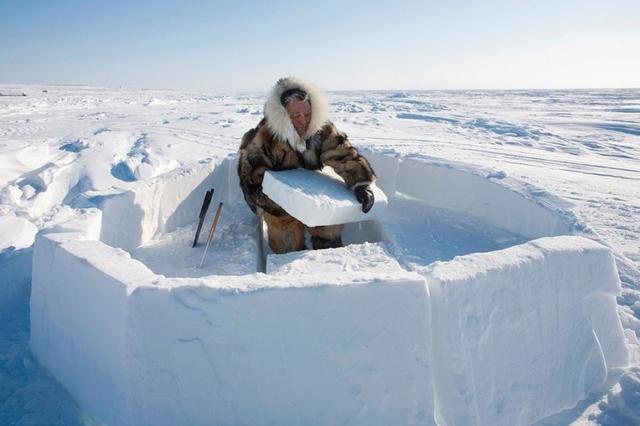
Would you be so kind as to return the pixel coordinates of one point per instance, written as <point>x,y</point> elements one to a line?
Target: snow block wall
<point>135,215</point>
<point>525,332</point>
<point>78,316</point>
<point>338,336</point>
<point>297,351</point>
<point>490,197</point>
<point>134,348</point>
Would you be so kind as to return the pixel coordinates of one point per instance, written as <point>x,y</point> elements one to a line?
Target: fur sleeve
<point>252,164</point>
<point>337,152</point>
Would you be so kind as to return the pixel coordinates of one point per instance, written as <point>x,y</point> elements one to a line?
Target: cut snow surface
<point>134,333</point>
<point>319,198</point>
<point>524,332</point>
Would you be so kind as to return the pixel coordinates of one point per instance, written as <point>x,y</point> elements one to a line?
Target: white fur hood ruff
<point>277,116</point>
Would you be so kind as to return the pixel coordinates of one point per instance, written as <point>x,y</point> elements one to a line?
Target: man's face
<point>300,113</point>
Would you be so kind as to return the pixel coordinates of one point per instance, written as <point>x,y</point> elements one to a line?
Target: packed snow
<point>500,285</point>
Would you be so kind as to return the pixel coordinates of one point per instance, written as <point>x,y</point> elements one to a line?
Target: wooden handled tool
<point>211,231</point>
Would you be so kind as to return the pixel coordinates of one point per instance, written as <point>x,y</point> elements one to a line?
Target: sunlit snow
<point>475,181</point>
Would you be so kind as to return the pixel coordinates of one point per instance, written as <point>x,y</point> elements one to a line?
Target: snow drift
<point>382,336</point>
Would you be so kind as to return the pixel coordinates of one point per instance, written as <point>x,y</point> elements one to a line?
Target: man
<point>296,132</point>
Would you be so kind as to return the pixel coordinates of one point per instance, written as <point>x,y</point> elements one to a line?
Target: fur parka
<point>275,145</point>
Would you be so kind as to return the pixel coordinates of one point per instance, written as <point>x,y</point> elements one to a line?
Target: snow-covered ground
<point>63,149</point>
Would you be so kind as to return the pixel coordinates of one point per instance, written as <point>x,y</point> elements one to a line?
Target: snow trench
<point>468,302</point>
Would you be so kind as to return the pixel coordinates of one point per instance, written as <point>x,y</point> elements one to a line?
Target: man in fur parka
<point>296,132</point>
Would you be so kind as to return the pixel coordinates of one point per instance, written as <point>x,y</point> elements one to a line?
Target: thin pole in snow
<point>211,231</point>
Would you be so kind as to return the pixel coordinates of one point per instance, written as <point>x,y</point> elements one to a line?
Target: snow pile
<point>623,401</point>
<point>319,198</point>
<point>17,233</point>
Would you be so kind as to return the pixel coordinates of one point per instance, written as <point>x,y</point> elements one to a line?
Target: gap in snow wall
<point>504,337</point>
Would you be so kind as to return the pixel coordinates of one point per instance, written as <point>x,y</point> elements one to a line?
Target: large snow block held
<point>319,198</point>
<point>525,332</point>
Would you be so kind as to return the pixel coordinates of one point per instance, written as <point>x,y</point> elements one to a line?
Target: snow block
<point>319,198</point>
<point>79,320</point>
<point>461,188</point>
<point>346,263</point>
<point>320,351</point>
<point>525,332</point>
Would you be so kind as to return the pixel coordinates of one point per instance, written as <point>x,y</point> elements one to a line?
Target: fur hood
<point>278,119</point>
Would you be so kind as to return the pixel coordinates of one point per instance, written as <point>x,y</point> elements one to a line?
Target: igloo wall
<point>135,215</point>
<point>523,332</point>
<point>136,348</point>
<point>334,336</point>
<point>490,196</point>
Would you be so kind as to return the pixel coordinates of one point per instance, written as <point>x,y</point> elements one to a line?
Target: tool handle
<point>205,203</point>
<point>211,231</point>
<point>195,240</point>
<point>203,213</point>
<point>215,223</point>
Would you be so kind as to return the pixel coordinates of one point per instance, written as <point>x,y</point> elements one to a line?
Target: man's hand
<point>364,195</point>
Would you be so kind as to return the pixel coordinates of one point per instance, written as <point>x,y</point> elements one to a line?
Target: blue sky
<point>246,45</point>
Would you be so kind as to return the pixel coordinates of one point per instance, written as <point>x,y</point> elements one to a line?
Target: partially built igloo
<point>467,303</point>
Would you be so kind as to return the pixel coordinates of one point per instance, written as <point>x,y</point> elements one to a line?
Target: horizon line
<point>212,91</point>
